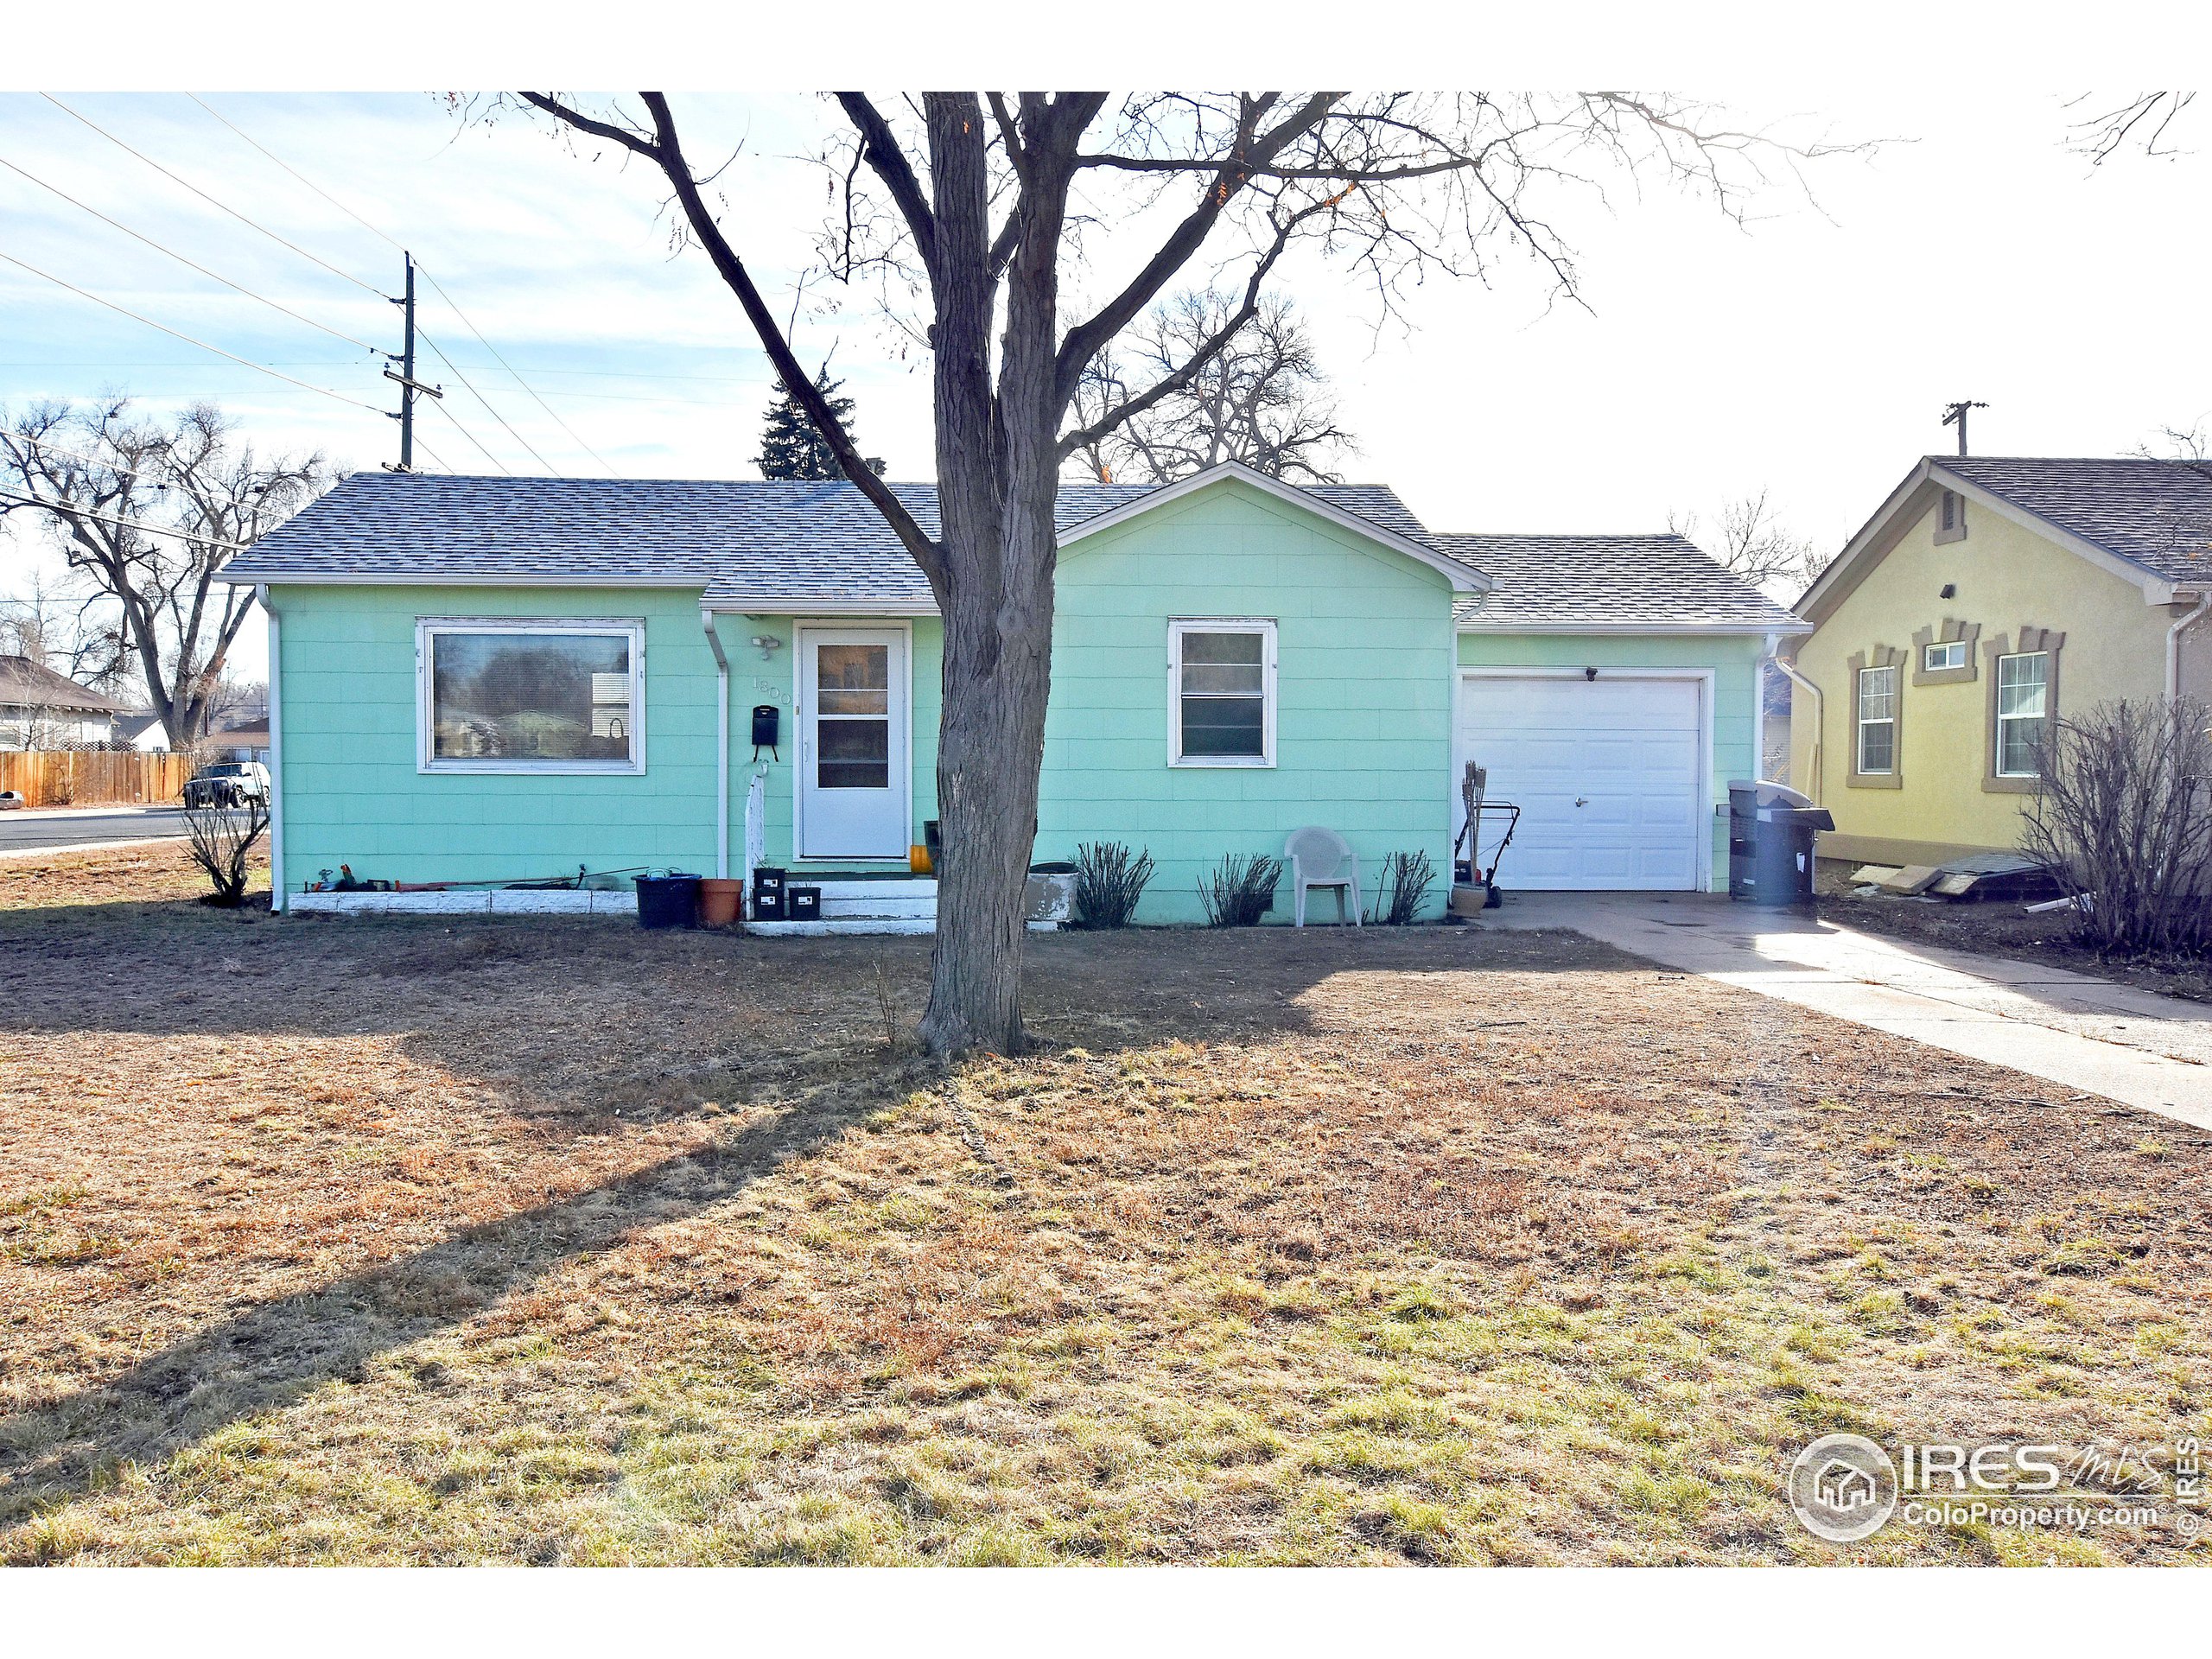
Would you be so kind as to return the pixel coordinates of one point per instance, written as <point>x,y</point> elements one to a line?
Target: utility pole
<point>408,385</point>
<point>1953,414</point>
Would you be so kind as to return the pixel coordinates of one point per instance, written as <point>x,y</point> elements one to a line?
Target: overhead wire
<point>429,276</point>
<point>440,406</point>
<point>278,305</point>
<point>177,333</point>
<point>439,353</point>
<point>512,370</point>
<point>212,202</point>
<point>130,523</point>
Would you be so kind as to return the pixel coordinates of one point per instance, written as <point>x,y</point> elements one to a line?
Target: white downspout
<point>1819,756</point>
<point>2173,647</point>
<point>276,900</point>
<point>721,745</point>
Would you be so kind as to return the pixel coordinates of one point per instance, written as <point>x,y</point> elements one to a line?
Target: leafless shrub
<point>1109,882</point>
<point>222,839</point>
<point>887,1005</point>
<point>1238,891</point>
<point>2123,818</point>
<point>1407,878</point>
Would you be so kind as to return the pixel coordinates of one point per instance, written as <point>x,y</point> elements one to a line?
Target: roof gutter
<point>1818,756</point>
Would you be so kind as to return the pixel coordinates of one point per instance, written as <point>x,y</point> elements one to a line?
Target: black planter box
<point>768,895</point>
<point>805,904</point>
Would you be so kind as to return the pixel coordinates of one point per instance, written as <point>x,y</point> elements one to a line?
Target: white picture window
<point>2023,703</point>
<point>1221,692</point>
<point>557,694</point>
<point>1944,655</point>
<point>1877,720</point>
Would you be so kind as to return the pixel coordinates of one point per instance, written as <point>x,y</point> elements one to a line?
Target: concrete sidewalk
<point>2133,1046</point>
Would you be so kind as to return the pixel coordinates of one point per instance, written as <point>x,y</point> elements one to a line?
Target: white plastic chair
<point>1322,858</point>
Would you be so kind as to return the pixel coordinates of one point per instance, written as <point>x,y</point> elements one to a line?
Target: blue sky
<point>1808,355</point>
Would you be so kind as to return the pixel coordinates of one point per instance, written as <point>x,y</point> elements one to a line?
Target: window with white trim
<point>524,694</point>
<point>1877,720</point>
<point>1943,656</point>
<point>2023,703</point>
<point>1221,692</point>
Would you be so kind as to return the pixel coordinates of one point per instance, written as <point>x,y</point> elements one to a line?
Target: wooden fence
<point>92,777</point>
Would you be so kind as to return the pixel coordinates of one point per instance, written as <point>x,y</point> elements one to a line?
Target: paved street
<point>34,830</point>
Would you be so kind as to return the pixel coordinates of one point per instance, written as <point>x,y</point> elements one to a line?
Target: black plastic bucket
<point>670,900</point>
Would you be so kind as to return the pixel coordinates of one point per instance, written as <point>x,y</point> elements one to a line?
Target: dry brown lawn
<point>405,1241</point>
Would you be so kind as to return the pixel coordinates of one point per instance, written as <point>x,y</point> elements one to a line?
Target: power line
<point>486,402</point>
<point>334,333</point>
<point>294,171</point>
<point>211,200</point>
<point>244,362</point>
<point>422,444</point>
<point>77,455</point>
<point>443,294</point>
<point>473,438</point>
<point>510,368</point>
<point>129,523</point>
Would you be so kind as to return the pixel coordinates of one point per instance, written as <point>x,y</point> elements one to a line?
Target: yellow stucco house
<point>1987,596</point>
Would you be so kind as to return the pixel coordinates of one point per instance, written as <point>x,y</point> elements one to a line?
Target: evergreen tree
<point>791,448</point>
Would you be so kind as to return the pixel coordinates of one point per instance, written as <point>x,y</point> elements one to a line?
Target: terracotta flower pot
<point>718,901</point>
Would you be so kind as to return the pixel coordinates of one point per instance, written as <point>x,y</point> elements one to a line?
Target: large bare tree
<point>1751,540</point>
<point>147,513</point>
<point>1033,229</point>
<point>1261,399</point>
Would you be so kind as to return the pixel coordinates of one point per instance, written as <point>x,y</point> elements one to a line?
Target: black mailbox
<point>767,725</point>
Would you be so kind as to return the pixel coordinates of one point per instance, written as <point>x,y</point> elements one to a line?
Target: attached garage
<point>1610,773</point>
<point>1609,685</point>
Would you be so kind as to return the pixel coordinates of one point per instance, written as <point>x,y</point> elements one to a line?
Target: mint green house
<point>478,681</point>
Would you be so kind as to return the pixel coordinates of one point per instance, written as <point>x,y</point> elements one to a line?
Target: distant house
<point>41,709</point>
<point>142,731</point>
<point>1989,597</point>
<point>248,742</point>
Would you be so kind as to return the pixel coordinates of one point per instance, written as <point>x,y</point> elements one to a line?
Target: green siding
<point>1733,658</point>
<point>1364,653</point>
<point>351,790</point>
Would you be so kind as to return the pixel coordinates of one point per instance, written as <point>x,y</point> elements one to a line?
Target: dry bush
<point>1109,882</point>
<point>222,840</point>
<point>1407,878</point>
<point>1238,891</point>
<point>2123,818</point>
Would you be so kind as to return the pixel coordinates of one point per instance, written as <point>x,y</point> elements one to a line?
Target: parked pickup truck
<point>228,783</point>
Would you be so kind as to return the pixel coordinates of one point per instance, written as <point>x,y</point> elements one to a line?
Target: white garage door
<point>1608,774</point>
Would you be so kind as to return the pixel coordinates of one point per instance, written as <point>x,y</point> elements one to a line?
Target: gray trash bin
<point>1771,836</point>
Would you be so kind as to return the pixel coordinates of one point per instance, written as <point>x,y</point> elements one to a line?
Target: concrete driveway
<point>2134,1046</point>
<point>53,829</point>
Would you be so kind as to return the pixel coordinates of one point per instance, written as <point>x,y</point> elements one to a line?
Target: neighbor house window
<point>556,695</point>
<point>2023,703</point>
<point>1944,656</point>
<point>1220,693</point>
<point>1878,720</point>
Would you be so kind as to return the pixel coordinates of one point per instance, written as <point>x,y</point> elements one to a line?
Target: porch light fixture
<point>768,644</point>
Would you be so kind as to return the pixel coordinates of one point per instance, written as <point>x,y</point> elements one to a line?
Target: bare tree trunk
<point>1001,552</point>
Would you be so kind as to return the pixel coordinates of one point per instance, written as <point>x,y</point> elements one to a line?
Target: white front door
<point>1609,774</point>
<point>853,773</point>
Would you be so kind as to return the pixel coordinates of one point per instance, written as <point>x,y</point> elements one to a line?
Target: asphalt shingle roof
<point>27,684</point>
<point>739,539</point>
<point>785,543</point>
<point>2156,514</point>
<point>1553,581</point>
